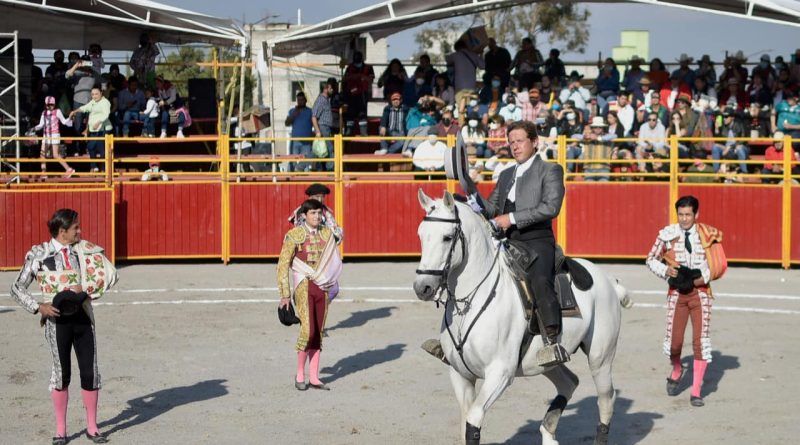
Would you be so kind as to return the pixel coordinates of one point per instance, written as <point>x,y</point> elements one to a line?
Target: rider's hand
<point>503,221</point>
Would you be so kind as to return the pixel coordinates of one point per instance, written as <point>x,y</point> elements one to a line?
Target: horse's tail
<point>622,293</point>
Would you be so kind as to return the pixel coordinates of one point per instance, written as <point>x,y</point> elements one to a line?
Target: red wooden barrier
<point>749,217</point>
<point>163,220</point>
<point>259,213</point>
<point>615,220</point>
<point>381,218</point>
<point>24,215</point>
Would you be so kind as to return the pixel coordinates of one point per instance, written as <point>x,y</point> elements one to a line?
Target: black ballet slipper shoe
<point>321,386</point>
<point>97,438</point>
<point>59,441</point>
<point>697,401</point>
<point>300,386</point>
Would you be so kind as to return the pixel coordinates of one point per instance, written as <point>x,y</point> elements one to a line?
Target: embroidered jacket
<point>672,238</point>
<point>305,245</point>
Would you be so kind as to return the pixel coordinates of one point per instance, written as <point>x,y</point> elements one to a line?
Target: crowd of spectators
<point>625,117</point>
<point>83,96</point>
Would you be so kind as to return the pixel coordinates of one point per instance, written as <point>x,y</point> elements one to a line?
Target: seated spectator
<point>448,125</point>
<point>688,124</point>
<point>607,84</point>
<point>150,113</point>
<point>547,130</point>
<point>416,88</point>
<point>573,129</point>
<point>677,127</point>
<point>498,131</point>
<point>733,70</point>
<point>699,166</point>
<point>684,73</point>
<point>427,69</point>
<point>183,117</point>
<point>548,90</point>
<point>443,90</point>
<point>758,92</point>
<point>393,79</point>
<point>299,119</point>
<point>99,110</point>
<point>765,71</point>
<point>756,120</point>
<point>615,128</point>
<point>575,92</point>
<point>624,113</point>
<point>356,93</point>
<point>786,115</point>
<point>644,93</point>
<point>511,112</point>
<point>429,153</point>
<point>423,113</point>
<point>498,63</point>
<point>527,62</point>
<point>775,155</point>
<point>702,90</point>
<point>554,68</point>
<point>597,147</point>
<point>633,76</point>
<point>658,74</point>
<point>652,139</point>
<point>533,106</point>
<point>660,110</point>
<point>730,128</point>
<point>491,96</point>
<point>167,95</point>
<point>659,164</point>
<point>474,137</point>
<point>115,78</point>
<point>706,71</point>
<point>130,102</point>
<point>670,92</point>
<point>393,124</point>
<point>734,96</point>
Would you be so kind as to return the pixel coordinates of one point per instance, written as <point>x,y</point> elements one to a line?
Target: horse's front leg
<point>498,378</point>
<point>465,393</point>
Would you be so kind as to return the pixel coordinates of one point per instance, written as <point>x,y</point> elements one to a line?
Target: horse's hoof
<point>473,436</point>
<point>602,434</point>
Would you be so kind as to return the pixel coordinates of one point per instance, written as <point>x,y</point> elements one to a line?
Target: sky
<point>672,31</point>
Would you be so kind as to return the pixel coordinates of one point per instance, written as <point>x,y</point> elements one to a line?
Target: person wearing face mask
<point>469,104</point>
<point>427,69</point>
<point>429,154</point>
<point>356,92</point>
<point>491,96</point>
<point>447,125</point>
<point>475,137</point>
<point>511,112</point>
<point>498,137</point>
<point>416,88</point>
<point>571,126</point>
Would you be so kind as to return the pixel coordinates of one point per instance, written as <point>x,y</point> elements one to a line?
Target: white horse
<point>484,311</point>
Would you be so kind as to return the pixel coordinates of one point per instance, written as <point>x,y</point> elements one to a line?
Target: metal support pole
<point>273,115</point>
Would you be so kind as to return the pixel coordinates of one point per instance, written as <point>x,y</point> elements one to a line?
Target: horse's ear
<point>448,200</point>
<point>424,201</point>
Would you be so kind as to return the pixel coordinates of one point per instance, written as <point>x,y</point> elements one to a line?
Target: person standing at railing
<point>322,120</point>
<point>393,124</point>
<point>299,119</point>
<point>706,71</point>
<point>130,102</point>
<point>356,92</point>
<point>498,63</point>
<point>731,128</point>
<point>465,62</point>
<point>98,109</point>
<point>143,61</point>
<point>51,134</point>
<point>554,67</point>
<point>393,79</point>
<point>684,73</point>
<point>527,63</point>
<point>83,78</point>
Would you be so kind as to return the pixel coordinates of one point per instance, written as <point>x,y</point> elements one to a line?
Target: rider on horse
<point>523,204</point>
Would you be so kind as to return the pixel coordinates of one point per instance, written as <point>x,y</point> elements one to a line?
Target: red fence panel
<point>24,215</point>
<point>615,220</point>
<point>259,214</point>
<point>749,217</point>
<point>163,220</point>
<point>381,218</point>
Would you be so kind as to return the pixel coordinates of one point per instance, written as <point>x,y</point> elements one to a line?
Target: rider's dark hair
<point>62,219</point>
<point>688,201</point>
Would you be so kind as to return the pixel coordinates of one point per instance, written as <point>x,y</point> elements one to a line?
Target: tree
<point>563,22</point>
<point>182,66</point>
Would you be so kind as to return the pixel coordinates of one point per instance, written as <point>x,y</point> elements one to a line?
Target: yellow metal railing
<point>221,166</point>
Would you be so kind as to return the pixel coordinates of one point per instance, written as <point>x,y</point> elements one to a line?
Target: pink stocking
<point>699,372</point>
<point>301,366</point>
<point>313,369</point>
<point>676,368</point>
<point>60,399</point>
<point>90,403</point>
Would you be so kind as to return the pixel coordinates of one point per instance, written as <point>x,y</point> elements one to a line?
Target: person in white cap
<point>597,146</point>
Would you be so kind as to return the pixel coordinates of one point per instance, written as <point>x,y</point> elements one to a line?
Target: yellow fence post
<point>108,141</point>
<point>673,178</point>
<point>786,225</point>
<point>561,223</point>
<point>338,175</point>
<point>450,184</point>
<point>222,142</point>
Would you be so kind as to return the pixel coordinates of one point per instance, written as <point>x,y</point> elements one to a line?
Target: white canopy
<point>114,24</point>
<point>389,17</point>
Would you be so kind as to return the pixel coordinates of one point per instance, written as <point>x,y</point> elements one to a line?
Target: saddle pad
<point>580,276</point>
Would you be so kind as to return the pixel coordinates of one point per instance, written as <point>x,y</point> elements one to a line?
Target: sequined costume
<point>310,301</point>
<point>56,269</point>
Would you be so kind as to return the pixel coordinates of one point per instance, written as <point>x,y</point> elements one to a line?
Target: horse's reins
<point>451,297</point>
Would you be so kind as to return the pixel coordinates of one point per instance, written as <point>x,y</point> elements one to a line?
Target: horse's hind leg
<point>497,380</point>
<point>605,400</point>
<point>565,382</point>
<point>465,394</point>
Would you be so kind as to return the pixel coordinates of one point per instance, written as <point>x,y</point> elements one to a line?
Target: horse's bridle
<point>458,236</point>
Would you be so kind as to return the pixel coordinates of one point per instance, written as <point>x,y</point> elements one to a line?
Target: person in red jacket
<point>671,91</point>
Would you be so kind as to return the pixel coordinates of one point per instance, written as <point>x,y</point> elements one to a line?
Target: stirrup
<point>434,348</point>
<point>551,355</point>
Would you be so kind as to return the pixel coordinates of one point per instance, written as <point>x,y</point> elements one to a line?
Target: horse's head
<point>443,244</point>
